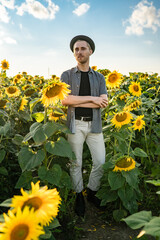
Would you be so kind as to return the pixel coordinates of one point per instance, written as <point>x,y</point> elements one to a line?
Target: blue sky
<point>35,34</point>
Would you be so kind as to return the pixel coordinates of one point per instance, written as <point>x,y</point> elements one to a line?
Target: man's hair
<point>83,41</point>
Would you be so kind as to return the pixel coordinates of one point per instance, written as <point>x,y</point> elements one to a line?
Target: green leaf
<point>154,182</point>
<point>138,220</point>
<point>33,103</point>
<point>157,152</point>
<point>153,227</point>
<point>42,172</point>
<point>4,130</point>
<point>60,148</point>
<point>54,175</point>
<point>54,224</point>
<point>139,152</point>
<point>24,180</point>
<point>131,177</point>
<point>39,117</point>
<point>17,139</point>
<point>37,133</point>
<point>3,171</point>
<point>6,203</point>
<point>27,137</point>
<point>118,214</point>
<point>2,155</point>
<point>128,198</point>
<point>116,180</point>
<point>50,128</point>
<point>47,234</point>
<point>28,159</point>
<point>65,181</point>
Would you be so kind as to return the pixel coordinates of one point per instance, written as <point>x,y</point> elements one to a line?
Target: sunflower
<point>113,79</point>
<point>29,91</point>
<point>133,106</point>
<point>54,92</point>
<point>124,96</point>
<point>124,163</point>
<point>44,202</point>
<point>12,91</point>
<point>4,64</point>
<point>121,119</point>
<point>135,89</point>
<point>20,226</point>
<point>24,102</point>
<point>104,72</point>
<point>139,123</point>
<point>55,116</point>
<point>18,76</point>
<point>94,68</point>
<point>24,73</point>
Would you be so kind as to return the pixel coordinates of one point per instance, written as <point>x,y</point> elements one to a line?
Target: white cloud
<point>10,40</point>
<point>5,38</point>
<point>148,42</point>
<point>8,3</point>
<point>81,9</point>
<point>144,15</point>
<point>38,10</point>
<point>4,14</point>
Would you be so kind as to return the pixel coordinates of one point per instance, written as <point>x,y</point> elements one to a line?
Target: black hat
<point>84,38</point>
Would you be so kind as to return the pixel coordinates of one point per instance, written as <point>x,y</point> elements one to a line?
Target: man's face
<point>82,52</point>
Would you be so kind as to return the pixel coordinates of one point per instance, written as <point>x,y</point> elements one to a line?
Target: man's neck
<point>83,67</point>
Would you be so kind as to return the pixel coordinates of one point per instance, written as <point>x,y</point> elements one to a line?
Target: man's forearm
<point>74,100</point>
<point>86,105</point>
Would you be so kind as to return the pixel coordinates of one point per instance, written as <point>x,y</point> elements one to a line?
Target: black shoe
<point>92,198</point>
<point>80,205</point>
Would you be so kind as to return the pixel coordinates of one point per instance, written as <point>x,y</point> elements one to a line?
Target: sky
<point>35,34</point>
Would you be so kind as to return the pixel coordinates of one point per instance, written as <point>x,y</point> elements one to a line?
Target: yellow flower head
<point>133,106</point>
<point>4,64</point>
<point>135,89</point>
<point>3,103</point>
<point>138,123</point>
<point>44,202</point>
<point>24,73</point>
<point>124,96</point>
<point>18,76</point>
<point>20,226</point>
<point>29,91</point>
<point>54,92</point>
<point>55,116</point>
<point>124,163</point>
<point>104,72</point>
<point>12,91</point>
<point>24,102</point>
<point>121,119</point>
<point>94,68</point>
<point>113,79</point>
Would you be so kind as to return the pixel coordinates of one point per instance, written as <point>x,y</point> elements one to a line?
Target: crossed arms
<point>86,101</point>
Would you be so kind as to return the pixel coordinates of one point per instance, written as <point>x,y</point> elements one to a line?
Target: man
<point>88,96</point>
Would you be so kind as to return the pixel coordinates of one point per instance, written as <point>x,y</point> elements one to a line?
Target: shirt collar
<point>77,70</point>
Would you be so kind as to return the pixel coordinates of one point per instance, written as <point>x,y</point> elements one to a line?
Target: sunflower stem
<point>147,149</point>
<point>151,122</point>
<point>130,140</point>
<point>45,115</point>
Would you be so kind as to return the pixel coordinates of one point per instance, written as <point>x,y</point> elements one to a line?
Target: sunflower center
<point>124,163</point>
<point>34,202</point>
<point>20,232</point>
<point>136,88</point>
<point>121,117</point>
<point>113,78</point>
<point>53,91</point>
<point>5,65</point>
<point>138,123</point>
<point>11,90</point>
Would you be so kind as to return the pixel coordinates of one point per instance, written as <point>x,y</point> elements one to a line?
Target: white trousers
<point>96,146</point>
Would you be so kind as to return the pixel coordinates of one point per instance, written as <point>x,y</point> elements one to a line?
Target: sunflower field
<point>36,189</point>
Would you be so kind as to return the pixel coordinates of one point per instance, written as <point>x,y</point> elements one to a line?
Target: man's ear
<point>90,52</point>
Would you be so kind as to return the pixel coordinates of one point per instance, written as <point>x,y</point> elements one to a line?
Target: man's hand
<point>101,101</point>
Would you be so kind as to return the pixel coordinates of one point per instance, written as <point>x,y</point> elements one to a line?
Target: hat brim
<point>82,38</point>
